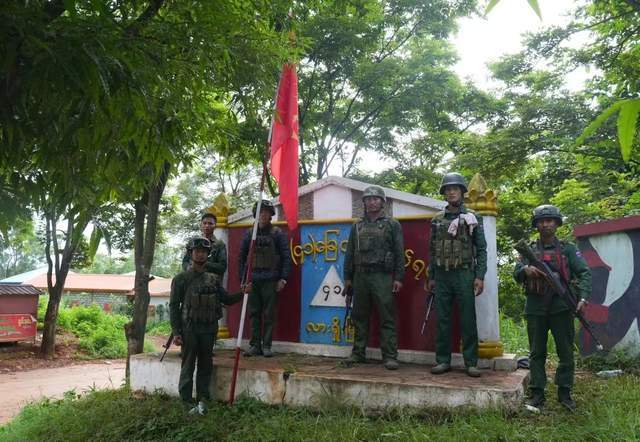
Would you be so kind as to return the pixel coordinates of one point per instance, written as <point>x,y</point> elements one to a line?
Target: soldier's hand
<point>280,285</point>
<point>177,340</point>
<point>581,305</point>
<point>397,286</point>
<point>431,286</point>
<point>478,286</point>
<point>347,285</point>
<point>246,288</point>
<point>533,272</point>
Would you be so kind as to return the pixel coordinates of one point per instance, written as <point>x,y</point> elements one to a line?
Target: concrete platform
<point>306,380</point>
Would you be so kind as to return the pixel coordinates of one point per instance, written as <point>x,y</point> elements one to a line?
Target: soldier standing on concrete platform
<point>374,267</point>
<point>457,265</point>
<point>545,310</point>
<point>194,311</point>
<point>271,266</point>
<point>217,260</point>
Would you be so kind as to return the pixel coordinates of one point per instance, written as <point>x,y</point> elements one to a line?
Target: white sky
<point>483,40</point>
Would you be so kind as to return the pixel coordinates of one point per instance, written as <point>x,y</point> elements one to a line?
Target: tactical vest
<point>555,259</point>
<point>201,303</point>
<point>373,245</point>
<point>265,255</point>
<point>451,251</point>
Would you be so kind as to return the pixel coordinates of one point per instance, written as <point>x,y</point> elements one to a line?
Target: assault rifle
<point>166,346</point>
<point>558,285</point>
<point>348,299</point>
<point>428,304</point>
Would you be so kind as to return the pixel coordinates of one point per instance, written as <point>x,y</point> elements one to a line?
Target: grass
<point>159,328</point>
<point>607,410</point>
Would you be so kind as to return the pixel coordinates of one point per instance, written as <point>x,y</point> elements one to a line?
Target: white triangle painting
<point>329,294</point>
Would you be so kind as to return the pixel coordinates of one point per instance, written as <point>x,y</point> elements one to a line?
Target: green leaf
<point>94,241</point>
<point>534,5</point>
<point>492,4</point>
<point>627,126</point>
<point>599,121</point>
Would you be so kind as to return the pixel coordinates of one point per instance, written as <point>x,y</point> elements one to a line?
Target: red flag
<point>284,144</point>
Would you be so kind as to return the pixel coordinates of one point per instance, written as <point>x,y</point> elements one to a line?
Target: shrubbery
<point>159,328</point>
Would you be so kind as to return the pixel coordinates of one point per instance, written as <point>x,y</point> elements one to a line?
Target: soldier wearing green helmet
<point>374,268</point>
<point>546,311</point>
<point>457,265</point>
<point>194,308</point>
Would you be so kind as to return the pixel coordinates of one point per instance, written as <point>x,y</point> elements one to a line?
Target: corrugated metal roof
<point>102,283</point>
<point>18,289</point>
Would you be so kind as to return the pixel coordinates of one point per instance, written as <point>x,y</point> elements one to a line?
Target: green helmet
<point>198,242</point>
<point>266,204</point>
<point>546,211</point>
<point>453,179</point>
<point>374,191</point>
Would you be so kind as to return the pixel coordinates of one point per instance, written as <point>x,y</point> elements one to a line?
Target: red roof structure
<point>104,283</point>
<point>18,289</point>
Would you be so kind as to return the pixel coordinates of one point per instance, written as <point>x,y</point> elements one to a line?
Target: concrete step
<point>316,381</point>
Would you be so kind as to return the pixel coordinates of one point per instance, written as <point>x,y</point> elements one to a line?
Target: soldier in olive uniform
<point>374,266</point>
<point>194,311</point>
<point>271,266</point>
<point>457,265</point>
<point>546,311</point>
<point>217,260</point>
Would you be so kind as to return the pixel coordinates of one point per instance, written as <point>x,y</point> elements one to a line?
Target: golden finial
<point>480,198</point>
<point>220,209</point>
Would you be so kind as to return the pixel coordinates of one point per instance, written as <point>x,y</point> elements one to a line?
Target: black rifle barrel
<point>166,346</point>
<point>558,285</point>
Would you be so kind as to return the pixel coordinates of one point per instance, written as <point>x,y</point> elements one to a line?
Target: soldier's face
<point>199,255</point>
<point>265,216</point>
<point>373,203</point>
<point>453,195</point>
<point>207,225</point>
<point>547,226</point>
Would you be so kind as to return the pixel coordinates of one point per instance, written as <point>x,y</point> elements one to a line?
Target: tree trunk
<point>147,210</point>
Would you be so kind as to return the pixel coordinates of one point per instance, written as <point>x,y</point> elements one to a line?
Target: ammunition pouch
<point>265,256</point>
<point>452,252</point>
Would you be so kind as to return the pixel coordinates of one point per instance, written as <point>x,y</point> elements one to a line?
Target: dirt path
<point>22,387</point>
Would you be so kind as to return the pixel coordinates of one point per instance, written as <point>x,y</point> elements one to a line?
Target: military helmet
<point>374,191</point>
<point>266,204</point>
<point>198,242</point>
<point>546,211</point>
<point>453,179</point>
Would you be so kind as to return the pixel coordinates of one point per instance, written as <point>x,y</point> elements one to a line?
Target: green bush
<point>625,359</point>
<point>159,328</point>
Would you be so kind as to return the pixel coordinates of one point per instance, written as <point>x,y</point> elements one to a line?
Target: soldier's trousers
<point>451,286</point>
<point>262,310</point>
<point>561,327</point>
<point>368,289</point>
<point>197,348</point>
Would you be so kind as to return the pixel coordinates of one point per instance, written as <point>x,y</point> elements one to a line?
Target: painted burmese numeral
<point>418,266</point>
<point>328,245</point>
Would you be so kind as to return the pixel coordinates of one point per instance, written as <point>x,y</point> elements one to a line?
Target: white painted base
<point>506,362</point>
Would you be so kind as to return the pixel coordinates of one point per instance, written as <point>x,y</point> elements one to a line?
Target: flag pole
<point>246,278</point>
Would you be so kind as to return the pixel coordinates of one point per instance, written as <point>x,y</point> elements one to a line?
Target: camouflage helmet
<point>546,211</point>
<point>374,191</point>
<point>198,242</point>
<point>266,204</point>
<point>453,179</point>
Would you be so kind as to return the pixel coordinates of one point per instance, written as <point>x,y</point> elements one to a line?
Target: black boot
<point>536,398</point>
<point>564,397</point>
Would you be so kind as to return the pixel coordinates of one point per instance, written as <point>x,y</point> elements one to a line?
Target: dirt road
<point>20,388</point>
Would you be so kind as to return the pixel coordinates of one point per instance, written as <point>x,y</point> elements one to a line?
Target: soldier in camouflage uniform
<point>217,260</point>
<point>457,265</point>
<point>271,266</point>
<point>546,311</point>
<point>194,312</point>
<point>374,266</point>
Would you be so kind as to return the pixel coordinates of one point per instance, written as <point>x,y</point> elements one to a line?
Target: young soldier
<point>271,266</point>
<point>217,260</point>
<point>457,265</point>
<point>374,265</point>
<point>194,311</point>
<point>545,310</point>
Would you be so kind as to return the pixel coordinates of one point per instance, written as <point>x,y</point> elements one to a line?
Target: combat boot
<point>267,353</point>
<point>536,398</point>
<point>564,397</point>
<point>253,351</point>
<point>352,360</point>
<point>391,364</point>
<point>474,372</point>
<point>440,369</point>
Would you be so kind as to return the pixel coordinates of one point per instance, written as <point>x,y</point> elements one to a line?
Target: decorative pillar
<point>220,209</point>
<point>484,201</point>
